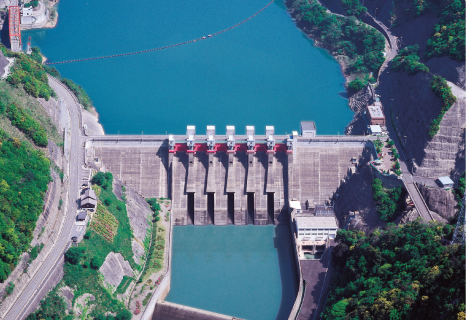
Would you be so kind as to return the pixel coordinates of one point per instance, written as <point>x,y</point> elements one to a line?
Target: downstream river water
<point>242,271</point>
<point>265,72</point>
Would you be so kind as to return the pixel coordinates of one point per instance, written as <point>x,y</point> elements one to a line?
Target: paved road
<point>17,310</point>
<point>408,179</point>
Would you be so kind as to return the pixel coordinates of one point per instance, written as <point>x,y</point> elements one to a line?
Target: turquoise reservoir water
<point>265,72</point>
<point>241,271</point>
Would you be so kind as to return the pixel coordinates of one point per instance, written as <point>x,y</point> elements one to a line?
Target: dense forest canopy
<point>401,272</point>
<point>29,74</point>
<point>449,34</point>
<point>24,176</point>
<point>390,203</point>
<point>407,60</point>
<point>363,45</point>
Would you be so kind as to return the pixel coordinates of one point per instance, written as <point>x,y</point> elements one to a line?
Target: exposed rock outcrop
<point>451,70</point>
<point>414,106</point>
<point>113,270</point>
<point>358,103</point>
<point>139,215</point>
<point>356,195</point>
<point>441,201</point>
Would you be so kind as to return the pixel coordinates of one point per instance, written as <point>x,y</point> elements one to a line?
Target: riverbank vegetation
<point>390,202</point>
<point>359,46</point>
<point>78,91</point>
<point>400,272</point>
<point>29,74</point>
<point>442,90</point>
<point>24,177</point>
<point>407,60</point>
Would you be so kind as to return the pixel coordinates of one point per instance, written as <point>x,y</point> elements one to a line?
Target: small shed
<point>375,130</point>
<point>82,215</point>
<point>308,129</point>
<point>445,182</point>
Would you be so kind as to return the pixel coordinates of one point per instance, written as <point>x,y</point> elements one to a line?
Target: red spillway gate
<point>14,18</point>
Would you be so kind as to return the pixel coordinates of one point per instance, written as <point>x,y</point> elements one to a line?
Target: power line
<point>166,47</point>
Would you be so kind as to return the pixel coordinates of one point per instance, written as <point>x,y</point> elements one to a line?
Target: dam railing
<point>164,287</point>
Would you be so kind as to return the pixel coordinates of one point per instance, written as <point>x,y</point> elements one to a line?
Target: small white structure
<point>313,229</point>
<point>445,182</point>
<point>308,129</point>
<point>34,18</point>
<point>316,228</point>
<point>375,130</point>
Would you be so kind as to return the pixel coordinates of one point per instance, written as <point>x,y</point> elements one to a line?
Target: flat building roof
<point>313,222</point>
<point>375,111</point>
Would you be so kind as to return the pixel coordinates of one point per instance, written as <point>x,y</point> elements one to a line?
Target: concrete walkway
<point>317,274</point>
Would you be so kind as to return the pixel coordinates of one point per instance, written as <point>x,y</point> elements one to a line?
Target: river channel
<point>265,72</point>
<point>241,271</point>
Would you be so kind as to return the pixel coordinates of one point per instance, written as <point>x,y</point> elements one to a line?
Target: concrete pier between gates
<point>232,179</point>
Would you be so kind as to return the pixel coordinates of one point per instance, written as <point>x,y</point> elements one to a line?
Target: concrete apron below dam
<point>171,311</point>
<point>238,187</point>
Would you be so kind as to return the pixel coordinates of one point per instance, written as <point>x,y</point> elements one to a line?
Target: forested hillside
<point>401,272</point>
<point>360,46</point>
<point>24,175</point>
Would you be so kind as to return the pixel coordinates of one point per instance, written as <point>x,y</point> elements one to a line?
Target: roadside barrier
<point>166,47</point>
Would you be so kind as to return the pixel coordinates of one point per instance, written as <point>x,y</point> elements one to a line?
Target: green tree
<point>97,262</point>
<point>338,311</point>
<point>355,85</point>
<point>98,178</point>
<point>123,315</point>
<point>74,254</point>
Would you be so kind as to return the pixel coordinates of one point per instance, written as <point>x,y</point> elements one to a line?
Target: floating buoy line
<point>166,47</point>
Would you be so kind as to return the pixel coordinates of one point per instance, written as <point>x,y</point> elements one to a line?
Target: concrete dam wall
<point>217,182</point>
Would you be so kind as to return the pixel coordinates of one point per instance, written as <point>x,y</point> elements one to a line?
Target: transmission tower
<point>459,236</point>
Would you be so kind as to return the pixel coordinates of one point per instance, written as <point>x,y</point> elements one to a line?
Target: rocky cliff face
<point>356,195</point>
<point>440,201</point>
<point>358,102</point>
<point>414,106</point>
<point>451,70</point>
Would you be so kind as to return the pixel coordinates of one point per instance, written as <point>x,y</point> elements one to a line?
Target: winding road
<point>391,53</point>
<point>19,308</point>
